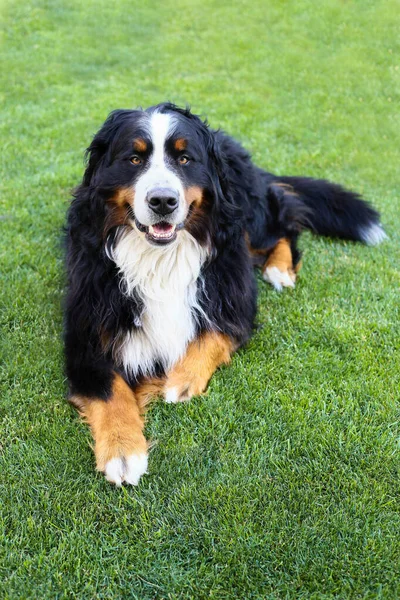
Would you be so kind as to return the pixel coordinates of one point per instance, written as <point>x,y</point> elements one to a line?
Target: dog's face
<point>153,168</point>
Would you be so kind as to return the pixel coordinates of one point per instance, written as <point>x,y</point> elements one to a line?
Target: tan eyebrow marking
<point>139,145</point>
<point>180,144</point>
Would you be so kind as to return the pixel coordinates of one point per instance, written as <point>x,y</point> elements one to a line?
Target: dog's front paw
<point>121,454</point>
<point>121,469</point>
<point>191,375</point>
<point>183,386</point>
<point>117,426</point>
<point>279,279</point>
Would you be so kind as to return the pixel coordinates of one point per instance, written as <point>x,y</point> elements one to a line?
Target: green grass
<point>283,482</point>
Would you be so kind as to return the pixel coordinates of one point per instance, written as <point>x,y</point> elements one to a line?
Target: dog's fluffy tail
<point>331,210</point>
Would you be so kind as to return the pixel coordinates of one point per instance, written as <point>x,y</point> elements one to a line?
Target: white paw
<point>128,470</point>
<point>279,279</point>
<point>171,395</point>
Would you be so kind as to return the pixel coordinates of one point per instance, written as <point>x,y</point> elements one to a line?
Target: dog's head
<point>160,171</point>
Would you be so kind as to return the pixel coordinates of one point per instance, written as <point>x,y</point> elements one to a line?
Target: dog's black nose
<point>163,201</point>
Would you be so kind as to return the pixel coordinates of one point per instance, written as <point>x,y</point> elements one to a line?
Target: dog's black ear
<point>97,152</point>
<point>227,215</point>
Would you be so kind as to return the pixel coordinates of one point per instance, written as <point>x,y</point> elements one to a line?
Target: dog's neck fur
<point>166,280</point>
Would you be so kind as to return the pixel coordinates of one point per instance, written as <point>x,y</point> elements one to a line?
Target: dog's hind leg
<point>283,263</point>
<point>272,236</point>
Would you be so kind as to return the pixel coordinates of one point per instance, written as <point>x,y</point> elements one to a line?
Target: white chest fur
<point>166,280</point>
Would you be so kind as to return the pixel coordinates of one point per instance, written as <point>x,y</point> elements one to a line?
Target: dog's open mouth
<point>160,233</point>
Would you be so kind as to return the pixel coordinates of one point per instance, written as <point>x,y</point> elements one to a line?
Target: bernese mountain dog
<point>162,237</point>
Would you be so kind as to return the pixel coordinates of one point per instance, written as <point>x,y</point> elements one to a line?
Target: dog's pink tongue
<point>162,228</point>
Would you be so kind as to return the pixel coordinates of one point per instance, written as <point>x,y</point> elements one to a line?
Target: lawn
<point>283,482</point>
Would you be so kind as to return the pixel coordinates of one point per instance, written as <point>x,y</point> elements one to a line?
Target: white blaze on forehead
<point>159,173</point>
<point>161,127</point>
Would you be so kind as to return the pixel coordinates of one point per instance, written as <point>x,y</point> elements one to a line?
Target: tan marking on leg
<point>117,428</point>
<point>278,269</point>
<point>191,375</point>
<point>147,391</point>
<point>281,256</point>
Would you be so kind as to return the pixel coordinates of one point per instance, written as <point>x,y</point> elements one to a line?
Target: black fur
<point>239,200</point>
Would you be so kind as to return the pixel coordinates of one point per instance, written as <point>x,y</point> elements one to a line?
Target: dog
<point>161,241</point>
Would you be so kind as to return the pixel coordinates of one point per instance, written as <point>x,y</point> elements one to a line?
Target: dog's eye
<point>183,160</point>
<point>135,160</point>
